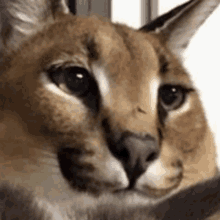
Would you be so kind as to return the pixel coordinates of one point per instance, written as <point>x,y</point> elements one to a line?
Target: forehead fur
<point>92,38</point>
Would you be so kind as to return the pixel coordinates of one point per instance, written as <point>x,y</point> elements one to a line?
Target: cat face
<point>92,106</point>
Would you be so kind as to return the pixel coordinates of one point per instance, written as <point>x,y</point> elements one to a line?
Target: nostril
<point>135,153</point>
<point>153,156</point>
<point>70,151</point>
<point>123,154</point>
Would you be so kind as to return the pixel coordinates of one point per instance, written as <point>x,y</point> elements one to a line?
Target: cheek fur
<point>186,131</point>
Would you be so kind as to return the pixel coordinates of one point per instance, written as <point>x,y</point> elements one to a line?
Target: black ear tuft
<point>178,26</point>
<point>160,21</point>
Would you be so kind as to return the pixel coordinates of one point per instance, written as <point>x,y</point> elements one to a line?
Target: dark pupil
<point>169,94</point>
<point>77,80</point>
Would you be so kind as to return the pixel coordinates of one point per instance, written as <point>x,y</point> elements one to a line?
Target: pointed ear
<point>178,26</point>
<point>22,18</point>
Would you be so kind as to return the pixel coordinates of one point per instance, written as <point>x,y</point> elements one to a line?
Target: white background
<point>202,58</point>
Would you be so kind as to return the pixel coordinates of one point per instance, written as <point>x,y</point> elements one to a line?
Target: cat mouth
<point>82,175</point>
<point>160,192</point>
<point>149,191</point>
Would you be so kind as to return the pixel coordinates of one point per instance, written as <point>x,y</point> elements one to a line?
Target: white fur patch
<point>156,175</point>
<point>23,30</point>
<point>115,171</point>
<point>25,18</point>
<point>154,85</point>
<point>103,83</point>
<point>65,7</point>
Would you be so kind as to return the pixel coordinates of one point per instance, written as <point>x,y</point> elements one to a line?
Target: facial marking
<point>154,85</point>
<point>92,49</point>
<point>157,175</point>
<point>103,83</point>
<point>115,171</point>
<point>24,17</point>
<point>164,65</point>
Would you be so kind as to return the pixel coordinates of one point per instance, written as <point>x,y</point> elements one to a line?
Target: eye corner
<point>53,73</point>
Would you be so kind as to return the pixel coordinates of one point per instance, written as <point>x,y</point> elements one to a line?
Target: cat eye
<point>77,81</point>
<point>74,80</point>
<point>171,96</point>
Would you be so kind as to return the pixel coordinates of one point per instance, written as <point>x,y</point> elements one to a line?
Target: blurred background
<point>202,57</point>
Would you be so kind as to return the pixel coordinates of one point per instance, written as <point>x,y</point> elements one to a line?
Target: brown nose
<point>136,154</point>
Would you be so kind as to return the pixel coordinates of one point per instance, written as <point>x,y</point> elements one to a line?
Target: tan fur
<point>129,90</point>
<point>37,116</point>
